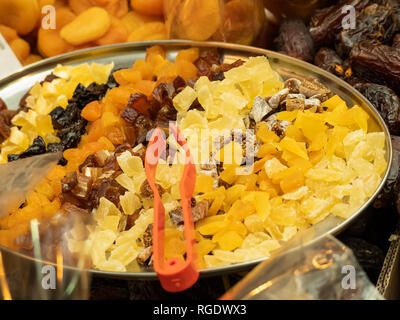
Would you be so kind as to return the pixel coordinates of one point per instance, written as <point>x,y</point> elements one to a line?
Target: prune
<point>38,147</point>
<point>328,59</point>
<point>376,63</point>
<point>111,83</point>
<point>69,182</point>
<point>396,41</point>
<point>55,147</point>
<point>84,95</point>
<point>326,24</point>
<point>295,40</point>
<point>385,101</point>
<point>376,23</point>
<point>71,135</point>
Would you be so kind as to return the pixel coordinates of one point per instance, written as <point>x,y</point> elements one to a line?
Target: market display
<point>272,157</point>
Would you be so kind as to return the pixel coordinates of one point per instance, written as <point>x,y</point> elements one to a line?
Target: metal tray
<point>15,86</point>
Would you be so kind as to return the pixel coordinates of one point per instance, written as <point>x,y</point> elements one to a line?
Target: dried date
<point>329,60</point>
<point>295,40</point>
<point>376,63</point>
<point>326,24</point>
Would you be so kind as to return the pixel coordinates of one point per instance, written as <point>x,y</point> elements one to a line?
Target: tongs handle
<point>174,274</point>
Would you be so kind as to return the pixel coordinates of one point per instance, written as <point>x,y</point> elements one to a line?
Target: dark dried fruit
<point>199,211</point>
<point>139,102</point>
<point>385,101</point>
<point>69,182</point>
<point>3,105</point>
<point>110,189</point>
<point>38,147</point>
<point>374,23</point>
<point>396,41</point>
<point>147,193</point>
<point>129,114</point>
<point>83,187</point>
<point>329,60</point>
<point>179,84</point>
<point>84,95</point>
<point>327,23</point>
<point>376,63</point>
<point>205,64</point>
<point>390,190</point>
<point>166,115</point>
<point>143,126</point>
<point>312,87</point>
<point>164,93</point>
<point>144,256</point>
<point>70,208</point>
<point>148,236</point>
<point>295,40</point>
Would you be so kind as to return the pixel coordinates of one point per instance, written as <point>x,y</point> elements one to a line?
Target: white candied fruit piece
<point>354,137</point>
<point>313,206</point>
<point>111,265</point>
<point>342,210</point>
<point>212,261</point>
<point>226,256</point>
<point>297,194</point>
<point>125,253</point>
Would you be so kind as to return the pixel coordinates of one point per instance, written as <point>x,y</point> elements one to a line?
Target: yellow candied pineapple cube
<point>184,99</point>
<point>204,184</point>
<point>194,119</point>
<point>126,182</point>
<point>106,208</point>
<point>125,253</point>
<point>130,202</point>
<point>110,223</point>
<point>130,165</point>
<point>264,134</point>
<point>334,102</point>
<point>18,138</point>
<point>297,148</point>
<point>273,167</point>
<point>241,209</point>
<point>216,205</point>
<point>212,227</point>
<point>360,117</point>
<point>228,240</point>
<point>233,193</point>
<point>254,223</point>
<point>231,153</point>
<point>283,215</point>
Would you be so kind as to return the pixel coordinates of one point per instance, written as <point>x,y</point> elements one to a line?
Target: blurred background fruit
<point>82,24</point>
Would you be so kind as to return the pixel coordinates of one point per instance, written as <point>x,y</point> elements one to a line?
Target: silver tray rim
<point>72,57</point>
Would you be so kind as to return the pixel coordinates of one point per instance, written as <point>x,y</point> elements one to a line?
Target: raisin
<point>129,114</point>
<point>139,102</point>
<point>376,63</point>
<point>165,116</point>
<point>295,40</point>
<point>385,101</point>
<point>376,23</point>
<point>143,125</point>
<point>164,93</point>
<point>179,84</point>
<point>84,95</point>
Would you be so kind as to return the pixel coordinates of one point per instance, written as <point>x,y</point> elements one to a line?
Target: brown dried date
<point>328,59</point>
<point>326,24</point>
<point>396,41</point>
<point>376,63</point>
<point>375,22</point>
<point>386,101</point>
<point>295,40</point>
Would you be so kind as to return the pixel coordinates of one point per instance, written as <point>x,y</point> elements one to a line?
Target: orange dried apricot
<point>153,7</point>
<point>149,31</point>
<point>92,111</point>
<point>116,34</point>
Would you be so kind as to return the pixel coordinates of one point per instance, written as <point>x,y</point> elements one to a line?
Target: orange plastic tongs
<point>174,274</point>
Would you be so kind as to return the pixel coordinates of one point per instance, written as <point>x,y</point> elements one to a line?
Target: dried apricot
<point>153,7</point>
<point>116,34</point>
<point>90,25</point>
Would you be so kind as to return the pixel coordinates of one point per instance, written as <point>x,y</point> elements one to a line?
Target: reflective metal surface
<point>15,86</point>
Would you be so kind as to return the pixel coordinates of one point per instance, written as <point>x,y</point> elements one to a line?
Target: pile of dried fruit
<point>272,158</point>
